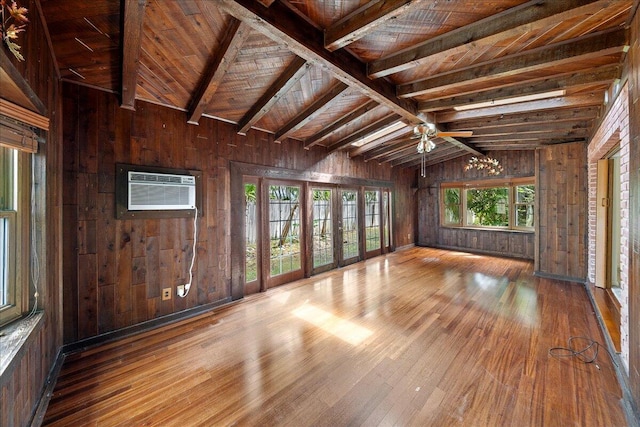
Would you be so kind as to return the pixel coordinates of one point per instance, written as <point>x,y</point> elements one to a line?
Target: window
<point>14,232</point>
<point>372,220</point>
<point>489,204</point>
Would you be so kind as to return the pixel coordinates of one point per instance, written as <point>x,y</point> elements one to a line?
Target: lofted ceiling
<point>354,75</point>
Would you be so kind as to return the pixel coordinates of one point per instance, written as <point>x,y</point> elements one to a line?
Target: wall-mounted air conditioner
<point>159,191</point>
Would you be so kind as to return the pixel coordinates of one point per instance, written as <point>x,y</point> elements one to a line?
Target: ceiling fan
<point>427,132</point>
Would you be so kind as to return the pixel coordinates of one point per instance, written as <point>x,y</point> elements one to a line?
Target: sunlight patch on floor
<point>336,326</point>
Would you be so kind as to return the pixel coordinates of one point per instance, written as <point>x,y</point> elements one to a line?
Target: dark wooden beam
<point>235,35</point>
<point>266,3</point>
<point>365,20</point>
<point>133,16</point>
<point>561,126</point>
<point>364,132</point>
<point>383,142</point>
<point>579,79</point>
<point>339,123</point>
<point>390,148</point>
<point>305,115</point>
<point>282,85</point>
<point>523,107</point>
<point>282,25</point>
<point>592,46</point>
<point>527,119</point>
<point>511,23</point>
<point>533,136</point>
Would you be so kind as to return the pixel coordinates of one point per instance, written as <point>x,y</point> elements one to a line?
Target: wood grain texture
<point>21,384</point>
<point>431,233</point>
<point>562,214</point>
<point>416,337</point>
<point>116,277</point>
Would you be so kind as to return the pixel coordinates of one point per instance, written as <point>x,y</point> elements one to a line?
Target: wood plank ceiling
<point>354,75</point>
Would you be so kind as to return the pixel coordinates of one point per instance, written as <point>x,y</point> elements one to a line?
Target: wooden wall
<point>115,269</point>
<point>634,218</point>
<point>430,233</point>
<point>21,384</point>
<point>561,231</point>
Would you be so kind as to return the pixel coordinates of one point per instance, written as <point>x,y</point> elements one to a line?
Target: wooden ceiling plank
<point>530,16</point>
<point>533,136</point>
<point>390,148</point>
<point>266,3</point>
<point>294,72</point>
<point>400,134</point>
<point>282,25</point>
<point>605,74</point>
<point>522,107</point>
<point>16,89</point>
<point>439,155</point>
<point>133,17</point>
<point>365,20</point>
<point>365,131</point>
<point>596,45</point>
<point>305,115</point>
<point>220,62</point>
<point>339,123</point>
<point>537,127</point>
<point>527,119</point>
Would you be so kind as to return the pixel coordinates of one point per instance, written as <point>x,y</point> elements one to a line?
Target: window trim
<point>19,261</point>
<point>463,186</point>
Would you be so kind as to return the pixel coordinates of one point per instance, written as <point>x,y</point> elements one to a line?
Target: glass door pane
<point>284,229</point>
<point>322,233</point>
<point>350,241</point>
<point>386,212</point>
<point>372,219</point>
<point>251,238</point>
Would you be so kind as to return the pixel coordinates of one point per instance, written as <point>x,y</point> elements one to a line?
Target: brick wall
<point>613,130</point>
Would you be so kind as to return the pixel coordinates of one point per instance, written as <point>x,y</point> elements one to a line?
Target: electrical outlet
<point>166,294</point>
<point>180,290</point>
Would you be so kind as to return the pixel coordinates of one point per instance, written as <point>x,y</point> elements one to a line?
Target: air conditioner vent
<point>156,191</point>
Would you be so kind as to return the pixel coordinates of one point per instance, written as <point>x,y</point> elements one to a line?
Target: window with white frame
<point>492,204</point>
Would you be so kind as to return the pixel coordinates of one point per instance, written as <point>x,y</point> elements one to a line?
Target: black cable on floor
<point>586,354</point>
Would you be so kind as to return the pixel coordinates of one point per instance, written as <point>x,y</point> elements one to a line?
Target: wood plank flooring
<point>418,337</point>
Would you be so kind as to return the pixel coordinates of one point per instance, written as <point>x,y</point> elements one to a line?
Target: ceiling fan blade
<point>462,133</point>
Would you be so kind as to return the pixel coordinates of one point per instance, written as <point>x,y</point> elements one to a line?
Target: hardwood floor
<point>418,337</point>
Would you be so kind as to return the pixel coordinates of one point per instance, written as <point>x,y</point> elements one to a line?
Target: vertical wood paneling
<point>514,244</point>
<point>562,201</point>
<point>138,258</point>
<point>634,217</point>
<point>22,384</point>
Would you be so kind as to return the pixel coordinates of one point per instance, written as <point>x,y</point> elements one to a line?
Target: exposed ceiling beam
<point>533,127</point>
<point>441,153</point>
<point>592,46</point>
<point>390,148</point>
<point>446,156</point>
<point>523,107</point>
<point>528,145</point>
<point>339,123</point>
<point>400,134</point>
<point>365,131</point>
<point>304,116</point>
<point>527,119</point>
<point>533,136</point>
<point>510,23</point>
<point>364,20</point>
<point>282,25</point>
<point>282,85</point>
<point>235,35</point>
<point>133,16</point>
<point>579,79</point>
<point>266,3</point>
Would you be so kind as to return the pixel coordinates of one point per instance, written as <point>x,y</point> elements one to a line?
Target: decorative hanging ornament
<point>489,164</point>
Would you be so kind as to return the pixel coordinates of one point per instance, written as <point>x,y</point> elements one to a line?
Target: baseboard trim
<point>476,251</point>
<point>572,279</point>
<point>629,407</point>
<point>47,390</point>
<point>87,343</point>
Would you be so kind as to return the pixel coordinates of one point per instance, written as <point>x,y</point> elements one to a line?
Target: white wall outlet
<point>180,290</point>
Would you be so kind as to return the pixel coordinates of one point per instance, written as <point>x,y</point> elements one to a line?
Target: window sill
<point>502,230</point>
<point>13,338</point>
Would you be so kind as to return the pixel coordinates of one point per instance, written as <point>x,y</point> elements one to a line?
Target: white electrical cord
<point>193,257</point>
<point>35,262</point>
